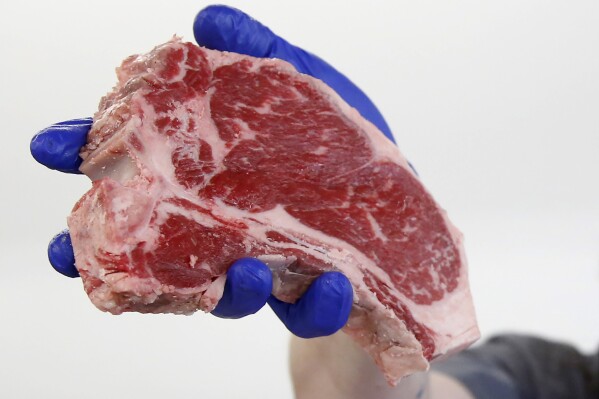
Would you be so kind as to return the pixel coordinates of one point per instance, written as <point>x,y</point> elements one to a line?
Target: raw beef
<point>200,157</point>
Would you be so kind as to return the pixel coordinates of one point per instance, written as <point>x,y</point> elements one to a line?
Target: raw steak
<point>200,157</point>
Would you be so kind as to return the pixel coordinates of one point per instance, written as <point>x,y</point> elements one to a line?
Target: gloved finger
<point>61,256</point>
<point>228,29</point>
<point>322,310</point>
<point>248,286</point>
<point>57,146</point>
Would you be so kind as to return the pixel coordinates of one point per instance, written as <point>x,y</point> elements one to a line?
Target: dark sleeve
<point>524,367</point>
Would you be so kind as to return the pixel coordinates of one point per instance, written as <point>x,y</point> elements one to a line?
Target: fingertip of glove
<point>57,147</point>
<point>61,256</point>
<point>225,28</point>
<point>40,148</point>
<point>251,275</point>
<point>335,301</point>
<point>336,285</point>
<point>248,286</point>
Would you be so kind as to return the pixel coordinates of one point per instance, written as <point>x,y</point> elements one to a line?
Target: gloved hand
<point>325,306</point>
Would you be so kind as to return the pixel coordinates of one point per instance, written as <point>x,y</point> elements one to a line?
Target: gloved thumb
<point>228,29</point>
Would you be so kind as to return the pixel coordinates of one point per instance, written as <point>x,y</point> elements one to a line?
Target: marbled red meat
<point>200,157</point>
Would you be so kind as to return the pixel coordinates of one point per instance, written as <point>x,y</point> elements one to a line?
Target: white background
<point>495,102</point>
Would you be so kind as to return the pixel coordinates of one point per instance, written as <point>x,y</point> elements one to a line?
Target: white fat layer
<point>330,250</point>
<point>376,228</point>
<point>320,150</point>
<point>156,157</point>
<point>207,130</point>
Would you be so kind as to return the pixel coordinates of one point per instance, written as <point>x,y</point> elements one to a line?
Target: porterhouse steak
<point>200,157</point>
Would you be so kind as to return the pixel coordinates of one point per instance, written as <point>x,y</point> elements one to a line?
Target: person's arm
<point>334,367</point>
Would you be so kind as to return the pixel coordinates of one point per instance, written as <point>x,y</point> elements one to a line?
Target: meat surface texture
<point>200,157</point>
